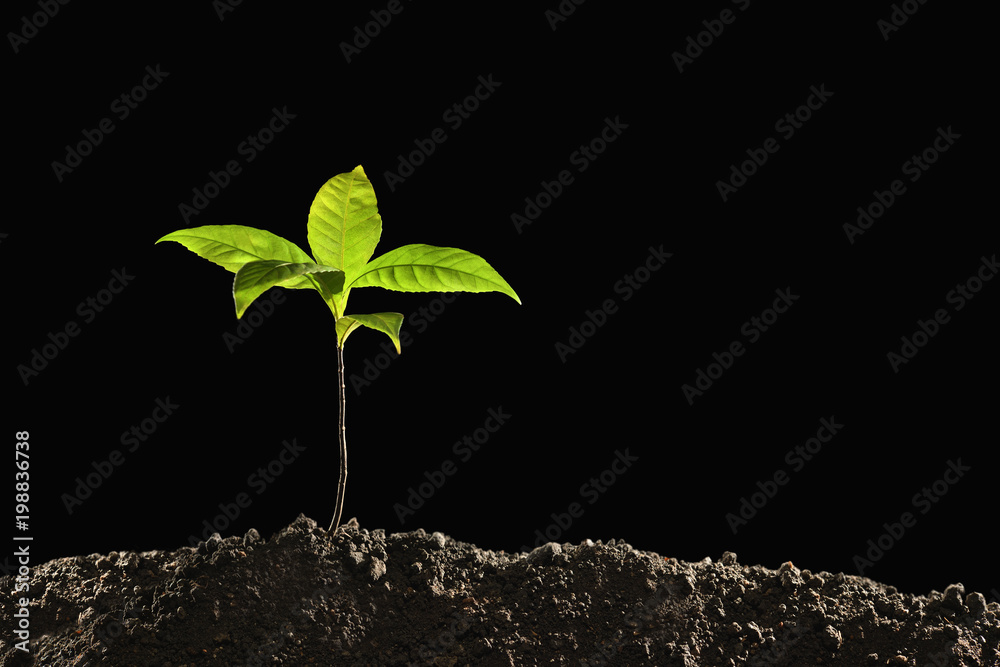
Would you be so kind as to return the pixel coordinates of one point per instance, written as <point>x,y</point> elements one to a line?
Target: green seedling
<point>344,227</point>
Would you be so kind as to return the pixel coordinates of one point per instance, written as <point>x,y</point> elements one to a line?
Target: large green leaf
<point>328,284</point>
<point>387,323</point>
<point>255,278</point>
<point>344,225</point>
<point>426,268</point>
<point>232,246</point>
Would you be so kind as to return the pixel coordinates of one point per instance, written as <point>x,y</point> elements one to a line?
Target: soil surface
<point>364,597</point>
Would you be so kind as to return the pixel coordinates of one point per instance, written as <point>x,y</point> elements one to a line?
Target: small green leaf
<point>344,225</point>
<point>387,323</point>
<point>427,268</point>
<point>345,325</point>
<point>255,278</point>
<point>232,246</point>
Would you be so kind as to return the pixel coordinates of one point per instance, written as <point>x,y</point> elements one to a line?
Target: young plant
<point>343,229</point>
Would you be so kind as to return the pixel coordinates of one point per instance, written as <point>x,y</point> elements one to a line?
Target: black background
<point>655,185</point>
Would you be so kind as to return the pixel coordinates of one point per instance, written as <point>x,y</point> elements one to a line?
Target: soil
<point>365,597</point>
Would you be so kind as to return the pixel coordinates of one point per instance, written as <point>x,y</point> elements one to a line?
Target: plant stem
<point>342,482</point>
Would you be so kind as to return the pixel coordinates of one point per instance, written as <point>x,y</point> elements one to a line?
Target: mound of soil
<point>364,597</point>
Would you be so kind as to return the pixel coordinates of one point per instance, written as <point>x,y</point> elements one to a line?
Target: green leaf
<point>232,246</point>
<point>387,323</point>
<point>345,325</point>
<point>427,268</point>
<point>255,278</point>
<point>329,284</point>
<point>344,225</point>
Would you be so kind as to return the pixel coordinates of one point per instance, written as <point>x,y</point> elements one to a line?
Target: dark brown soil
<point>370,598</point>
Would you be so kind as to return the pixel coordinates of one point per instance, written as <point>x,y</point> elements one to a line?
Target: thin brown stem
<point>342,482</point>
